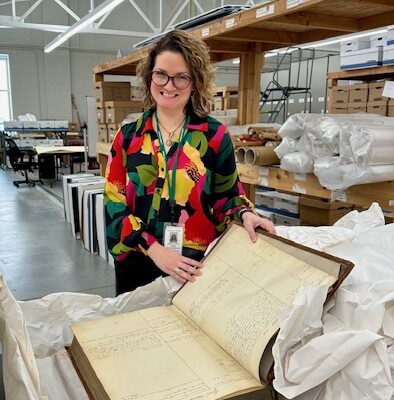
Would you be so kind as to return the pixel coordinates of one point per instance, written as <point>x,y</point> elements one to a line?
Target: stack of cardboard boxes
<point>363,97</point>
<point>226,98</point>
<point>225,105</point>
<point>114,103</point>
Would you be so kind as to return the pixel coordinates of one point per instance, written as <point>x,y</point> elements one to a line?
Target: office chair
<point>76,158</point>
<point>18,163</point>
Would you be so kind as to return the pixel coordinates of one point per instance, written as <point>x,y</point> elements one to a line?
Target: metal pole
<point>85,145</point>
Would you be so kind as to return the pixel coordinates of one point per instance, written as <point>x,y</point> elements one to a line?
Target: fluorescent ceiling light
<point>98,12</point>
<point>346,38</point>
<point>323,43</point>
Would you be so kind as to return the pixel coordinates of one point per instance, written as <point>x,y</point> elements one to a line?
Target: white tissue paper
<point>345,351</point>
<point>35,363</point>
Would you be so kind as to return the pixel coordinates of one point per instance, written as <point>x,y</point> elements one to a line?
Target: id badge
<point>173,237</point>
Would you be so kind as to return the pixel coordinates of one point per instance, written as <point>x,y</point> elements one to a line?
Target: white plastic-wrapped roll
<point>328,171</point>
<point>287,145</point>
<point>293,127</point>
<point>334,176</point>
<point>348,129</point>
<point>314,146</point>
<point>298,162</point>
<point>373,144</point>
<point>297,124</point>
<point>327,129</point>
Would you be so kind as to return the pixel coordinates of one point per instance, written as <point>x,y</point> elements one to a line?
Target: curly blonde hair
<point>196,55</point>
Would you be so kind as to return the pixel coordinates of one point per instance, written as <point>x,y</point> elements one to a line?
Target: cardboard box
<point>100,113</point>
<point>355,45</point>
<point>30,125</point>
<point>218,103</point>
<point>9,125</point>
<point>375,91</point>
<point>287,202</point>
<point>390,108</point>
<point>339,109</point>
<point>377,107</point>
<point>388,54</point>
<point>134,105</point>
<point>72,126</point>
<point>112,129</point>
<point>316,211</point>
<point>356,107</point>
<point>358,93</point>
<point>46,124</point>
<point>264,198</point>
<point>285,220</point>
<point>60,124</point>
<point>390,35</point>
<point>232,103</point>
<point>380,39</point>
<point>340,94</point>
<point>117,111</point>
<point>102,133</point>
<point>106,91</point>
<point>366,58</point>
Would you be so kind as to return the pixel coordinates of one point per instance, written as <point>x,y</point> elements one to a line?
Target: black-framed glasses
<point>180,81</point>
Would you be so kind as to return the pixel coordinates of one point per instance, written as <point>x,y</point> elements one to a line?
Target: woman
<point>172,171</point>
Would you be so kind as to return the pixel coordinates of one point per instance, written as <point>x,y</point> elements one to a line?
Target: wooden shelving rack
<point>273,25</point>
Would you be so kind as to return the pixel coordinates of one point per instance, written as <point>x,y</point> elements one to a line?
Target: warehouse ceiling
<point>148,17</point>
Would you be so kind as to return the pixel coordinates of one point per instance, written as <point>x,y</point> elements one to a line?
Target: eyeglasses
<point>180,81</point>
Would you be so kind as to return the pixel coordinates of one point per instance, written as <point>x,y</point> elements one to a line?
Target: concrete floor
<point>38,254</point>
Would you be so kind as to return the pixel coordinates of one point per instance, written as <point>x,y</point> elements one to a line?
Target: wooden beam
<point>318,21</point>
<point>318,34</point>
<point>128,61</point>
<point>217,46</point>
<point>218,57</point>
<point>365,74</point>
<point>377,21</point>
<point>262,36</point>
<point>249,86</point>
<point>388,3</point>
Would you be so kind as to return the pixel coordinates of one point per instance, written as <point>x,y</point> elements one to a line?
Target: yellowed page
<point>159,354</point>
<point>243,287</point>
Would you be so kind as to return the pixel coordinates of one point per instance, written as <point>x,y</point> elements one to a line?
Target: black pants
<point>138,270</point>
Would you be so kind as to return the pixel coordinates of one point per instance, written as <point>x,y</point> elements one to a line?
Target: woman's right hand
<point>182,268</point>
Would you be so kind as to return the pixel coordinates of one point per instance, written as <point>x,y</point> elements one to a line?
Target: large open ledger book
<point>214,341</point>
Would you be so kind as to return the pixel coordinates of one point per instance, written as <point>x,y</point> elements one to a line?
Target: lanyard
<point>171,182</point>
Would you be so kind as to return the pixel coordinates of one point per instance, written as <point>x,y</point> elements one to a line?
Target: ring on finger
<point>177,270</point>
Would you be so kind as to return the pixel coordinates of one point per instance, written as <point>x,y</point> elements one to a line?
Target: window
<point>5,90</point>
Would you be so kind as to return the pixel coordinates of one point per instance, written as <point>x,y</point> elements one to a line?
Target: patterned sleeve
<point>125,232</point>
<point>228,192</point>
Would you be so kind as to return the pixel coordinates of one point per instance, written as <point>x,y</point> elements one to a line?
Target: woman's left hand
<point>252,221</point>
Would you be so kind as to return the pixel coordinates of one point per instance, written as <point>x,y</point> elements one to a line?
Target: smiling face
<point>168,97</point>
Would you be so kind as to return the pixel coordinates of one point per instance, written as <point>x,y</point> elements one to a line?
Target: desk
<point>57,151</point>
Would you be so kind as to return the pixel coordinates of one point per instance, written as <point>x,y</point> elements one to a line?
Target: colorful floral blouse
<point>207,190</point>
